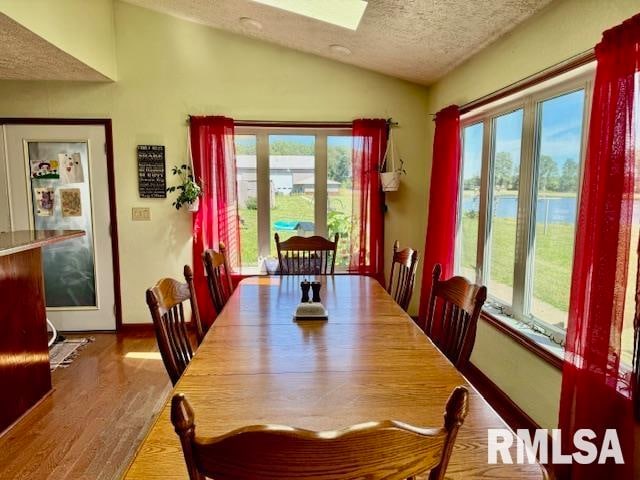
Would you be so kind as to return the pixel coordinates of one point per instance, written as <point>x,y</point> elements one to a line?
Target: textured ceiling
<point>26,56</point>
<point>418,40</point>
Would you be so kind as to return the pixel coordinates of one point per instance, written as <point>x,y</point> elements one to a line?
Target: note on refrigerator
<point>43,201</point>
<point>70,168</point>
<point>70,202</point>
<point>46,169</point>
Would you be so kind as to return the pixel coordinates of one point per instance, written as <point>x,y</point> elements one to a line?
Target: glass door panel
<point>247,184</point>
<point>339,194</point>
<point>291,186</point>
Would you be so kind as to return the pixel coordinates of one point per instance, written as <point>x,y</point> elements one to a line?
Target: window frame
<point>262,134</point>
<point>530,100</point>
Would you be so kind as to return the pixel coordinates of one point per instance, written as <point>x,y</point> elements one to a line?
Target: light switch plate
<point>140,214</point>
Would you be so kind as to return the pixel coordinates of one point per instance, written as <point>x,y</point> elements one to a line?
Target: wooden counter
<point>24,355</point>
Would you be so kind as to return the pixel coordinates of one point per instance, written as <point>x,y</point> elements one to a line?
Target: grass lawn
<point>552,267</point>
<point>287,207</point>
<point>552,260</point>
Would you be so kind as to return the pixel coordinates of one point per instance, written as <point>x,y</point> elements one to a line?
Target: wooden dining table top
<point>368,362</point>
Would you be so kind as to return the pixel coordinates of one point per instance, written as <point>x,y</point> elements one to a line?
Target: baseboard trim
<point>510,412</point>
<point>135,328</point>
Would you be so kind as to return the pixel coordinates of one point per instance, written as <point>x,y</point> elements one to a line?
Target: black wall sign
<point>152,178</point>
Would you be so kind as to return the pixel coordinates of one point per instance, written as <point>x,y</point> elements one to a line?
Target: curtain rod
<point>293,124</point>
<point>576,61</point>
<point>540,76</point>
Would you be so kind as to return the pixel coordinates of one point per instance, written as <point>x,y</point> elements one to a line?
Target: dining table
<point>368,361</point>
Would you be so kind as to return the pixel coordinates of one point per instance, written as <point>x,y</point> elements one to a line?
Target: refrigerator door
<point>58,180</point>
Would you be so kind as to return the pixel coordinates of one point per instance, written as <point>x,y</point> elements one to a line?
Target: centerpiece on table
<point>310,308</point>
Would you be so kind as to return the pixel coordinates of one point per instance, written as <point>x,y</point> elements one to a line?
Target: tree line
<point>338,157</point>
<point>550,178</point>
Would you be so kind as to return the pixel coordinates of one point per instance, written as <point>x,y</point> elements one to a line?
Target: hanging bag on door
<point>390,180</point>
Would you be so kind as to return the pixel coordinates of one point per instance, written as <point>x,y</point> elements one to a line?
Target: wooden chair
<point>165,302</point>
<point>218,276</point>
<point>459,303</point>
<point>403,275</point>
<point>383,450</point>
<point>306,255</point>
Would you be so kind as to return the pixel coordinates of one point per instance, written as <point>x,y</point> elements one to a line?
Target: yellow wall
<point>82,28</point>
<point>560,31</point>
<point>169,68</point>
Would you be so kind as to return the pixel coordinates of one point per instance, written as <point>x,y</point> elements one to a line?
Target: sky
<point>560,138</point>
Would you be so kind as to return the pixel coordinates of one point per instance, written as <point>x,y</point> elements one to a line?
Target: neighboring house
<point>306,184</point>
<point>288,173</point>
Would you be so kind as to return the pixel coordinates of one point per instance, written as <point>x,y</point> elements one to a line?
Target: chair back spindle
<point>218,276</point>
<point>403,274</point>
<point>376,450</point>
<point>166,304</point>
<point>306,255</point>
<point>456,303</point>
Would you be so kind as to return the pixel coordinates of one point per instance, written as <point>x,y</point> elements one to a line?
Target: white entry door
<point>56,178</point>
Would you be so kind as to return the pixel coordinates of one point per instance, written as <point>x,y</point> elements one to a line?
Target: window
<point>246,164</point>
<point>505,181</point>
<point>292,179</point>
<point>339,193</point>
<point>470,201</point>
<point>292,182</point>
<point>520,179</point>
<point>630,297</point>
<point>558,161</point>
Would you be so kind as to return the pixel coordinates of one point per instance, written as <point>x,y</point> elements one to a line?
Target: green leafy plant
<point>188,189</point>
<point>251,203</point>
<point>340,223</point>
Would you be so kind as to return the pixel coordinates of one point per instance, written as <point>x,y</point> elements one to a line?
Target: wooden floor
<point>100,410</point>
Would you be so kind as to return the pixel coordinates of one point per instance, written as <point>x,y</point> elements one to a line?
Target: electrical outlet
<point>140,214</point>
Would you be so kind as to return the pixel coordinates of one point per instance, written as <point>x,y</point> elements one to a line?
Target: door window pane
<point>470,202</point>
<point>292,186</point>
<point>504,208</point>
<point>339,194</point>
<point>558,174</point>
<point>247,198</point>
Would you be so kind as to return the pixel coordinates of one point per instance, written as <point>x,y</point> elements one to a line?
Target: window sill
<point>531,340</point>
<point>255,271</point>
<point>247,271</point>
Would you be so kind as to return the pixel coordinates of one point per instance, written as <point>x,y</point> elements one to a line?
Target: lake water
<point>555,210</point>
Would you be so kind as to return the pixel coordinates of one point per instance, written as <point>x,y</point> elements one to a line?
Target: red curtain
<point>595,393</point>
<point>443,203</point>
<point>214,168</point>
<point>367,226</point>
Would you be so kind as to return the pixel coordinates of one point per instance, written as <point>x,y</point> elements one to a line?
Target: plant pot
<point>194,206</point>
<point>390,181</point>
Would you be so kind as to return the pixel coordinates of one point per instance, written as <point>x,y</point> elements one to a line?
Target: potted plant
<point>190,191</point>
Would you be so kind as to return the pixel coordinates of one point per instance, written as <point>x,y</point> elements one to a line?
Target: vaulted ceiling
<point>417,40</point>
<point>26,56</point>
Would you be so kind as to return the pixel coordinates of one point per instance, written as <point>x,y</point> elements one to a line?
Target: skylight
<point>343,13</point>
